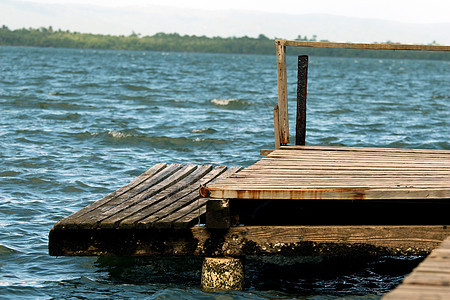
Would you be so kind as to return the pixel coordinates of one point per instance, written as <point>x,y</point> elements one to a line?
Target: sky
<point>402,21</point>
<point>407,11</point>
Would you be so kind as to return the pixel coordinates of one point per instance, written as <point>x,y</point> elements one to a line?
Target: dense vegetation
<point>47,37</point>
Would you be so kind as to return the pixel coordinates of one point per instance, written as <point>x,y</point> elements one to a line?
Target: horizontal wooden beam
<point>362,46</point>
<point>251,240</point>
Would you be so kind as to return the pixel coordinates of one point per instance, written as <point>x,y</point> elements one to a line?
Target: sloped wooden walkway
<point>430,280</point>
<point>164,197</point>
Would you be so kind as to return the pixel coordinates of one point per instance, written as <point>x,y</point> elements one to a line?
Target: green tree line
<point>47,37</point>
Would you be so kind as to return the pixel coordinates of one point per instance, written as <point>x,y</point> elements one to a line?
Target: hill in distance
<point>151,19</point>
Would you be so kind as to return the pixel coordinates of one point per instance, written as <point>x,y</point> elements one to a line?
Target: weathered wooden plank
<point>148,188</point>
<point>357,151</point>
<point>331,194</point>
<point>345,168</point>
<point>134,202</point>
<point>280,181</point>
<point>175,213</point>
<point>276,122</point>
<point>146,206</point>
<point>361,46</point>
<point>430,266</point>
<point>74,218</point>
<point>377,152</point>
<point>305,172</point>
<point>302,83</point>
<point>192,212</point>
<point>420,292</point>
<point>333,157</point>
<point>184,215</point>
<point>359,158</point>
<point>303,162</point>
<point>430,279</point>
<point>159,193</point>
<point>363,149</point>
<point>164,208</point>
<point>282,94</point>
<point>369,168</point>
<point>307,150</point>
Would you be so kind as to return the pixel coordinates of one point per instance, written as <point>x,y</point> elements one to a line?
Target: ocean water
<point>77,124</point>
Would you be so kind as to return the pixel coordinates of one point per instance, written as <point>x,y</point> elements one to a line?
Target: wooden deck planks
<point>75,217</point>
<point>187,208</point>
<point>157,194</point>
<point>429,280</point>
<point>145,205</point>
<point>309,172</point>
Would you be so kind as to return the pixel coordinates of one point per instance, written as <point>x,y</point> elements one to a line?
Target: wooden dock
<point>430,280</point>
<point>341,173</point>
<point>390,201</point>
<point>297,200</point>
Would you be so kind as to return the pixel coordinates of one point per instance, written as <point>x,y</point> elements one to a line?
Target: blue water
<point>77,124</point>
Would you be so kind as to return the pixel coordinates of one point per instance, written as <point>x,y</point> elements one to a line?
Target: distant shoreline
<point>174,42</point>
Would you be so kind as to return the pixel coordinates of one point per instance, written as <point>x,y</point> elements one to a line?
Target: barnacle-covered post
<point>222,273</point>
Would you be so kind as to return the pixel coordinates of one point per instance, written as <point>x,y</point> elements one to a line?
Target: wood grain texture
<point>165,192</point>
<point>362,46</point>
<point>251,240</point>
<point>346,173</point>
<point>276,125</point>
<point>429,280</point>
<point>282,94</point>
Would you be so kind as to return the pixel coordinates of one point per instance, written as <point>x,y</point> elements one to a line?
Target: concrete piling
<point>222,273</point>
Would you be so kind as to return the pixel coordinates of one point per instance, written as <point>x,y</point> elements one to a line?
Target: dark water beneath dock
<point>77,124</point>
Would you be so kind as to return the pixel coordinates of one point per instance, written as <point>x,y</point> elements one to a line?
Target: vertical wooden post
<point>282,92</point>
<point>218,214</point>
<point>301,100</point>
<point>276,125</point>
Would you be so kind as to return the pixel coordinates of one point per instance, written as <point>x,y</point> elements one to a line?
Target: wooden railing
<point>281,121</point>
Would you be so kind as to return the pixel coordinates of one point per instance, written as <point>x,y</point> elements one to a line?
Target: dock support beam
<point>222,274</point>
<point>220,214</point>
<point>301,100</point>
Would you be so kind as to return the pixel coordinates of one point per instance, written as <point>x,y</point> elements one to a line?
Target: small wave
<point>62,94</point>
<point>69,116</point>
<point>230,103</point>
<point>135,138</point>
<point>9,174</point>
<point>72,189</point>
<point>88,85</point>
<point>109,133</point>
<point>134,87</point>
<point>341,111</point>
<point>118,134</point>
<point>203,130</point>
<point>25,103</point>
